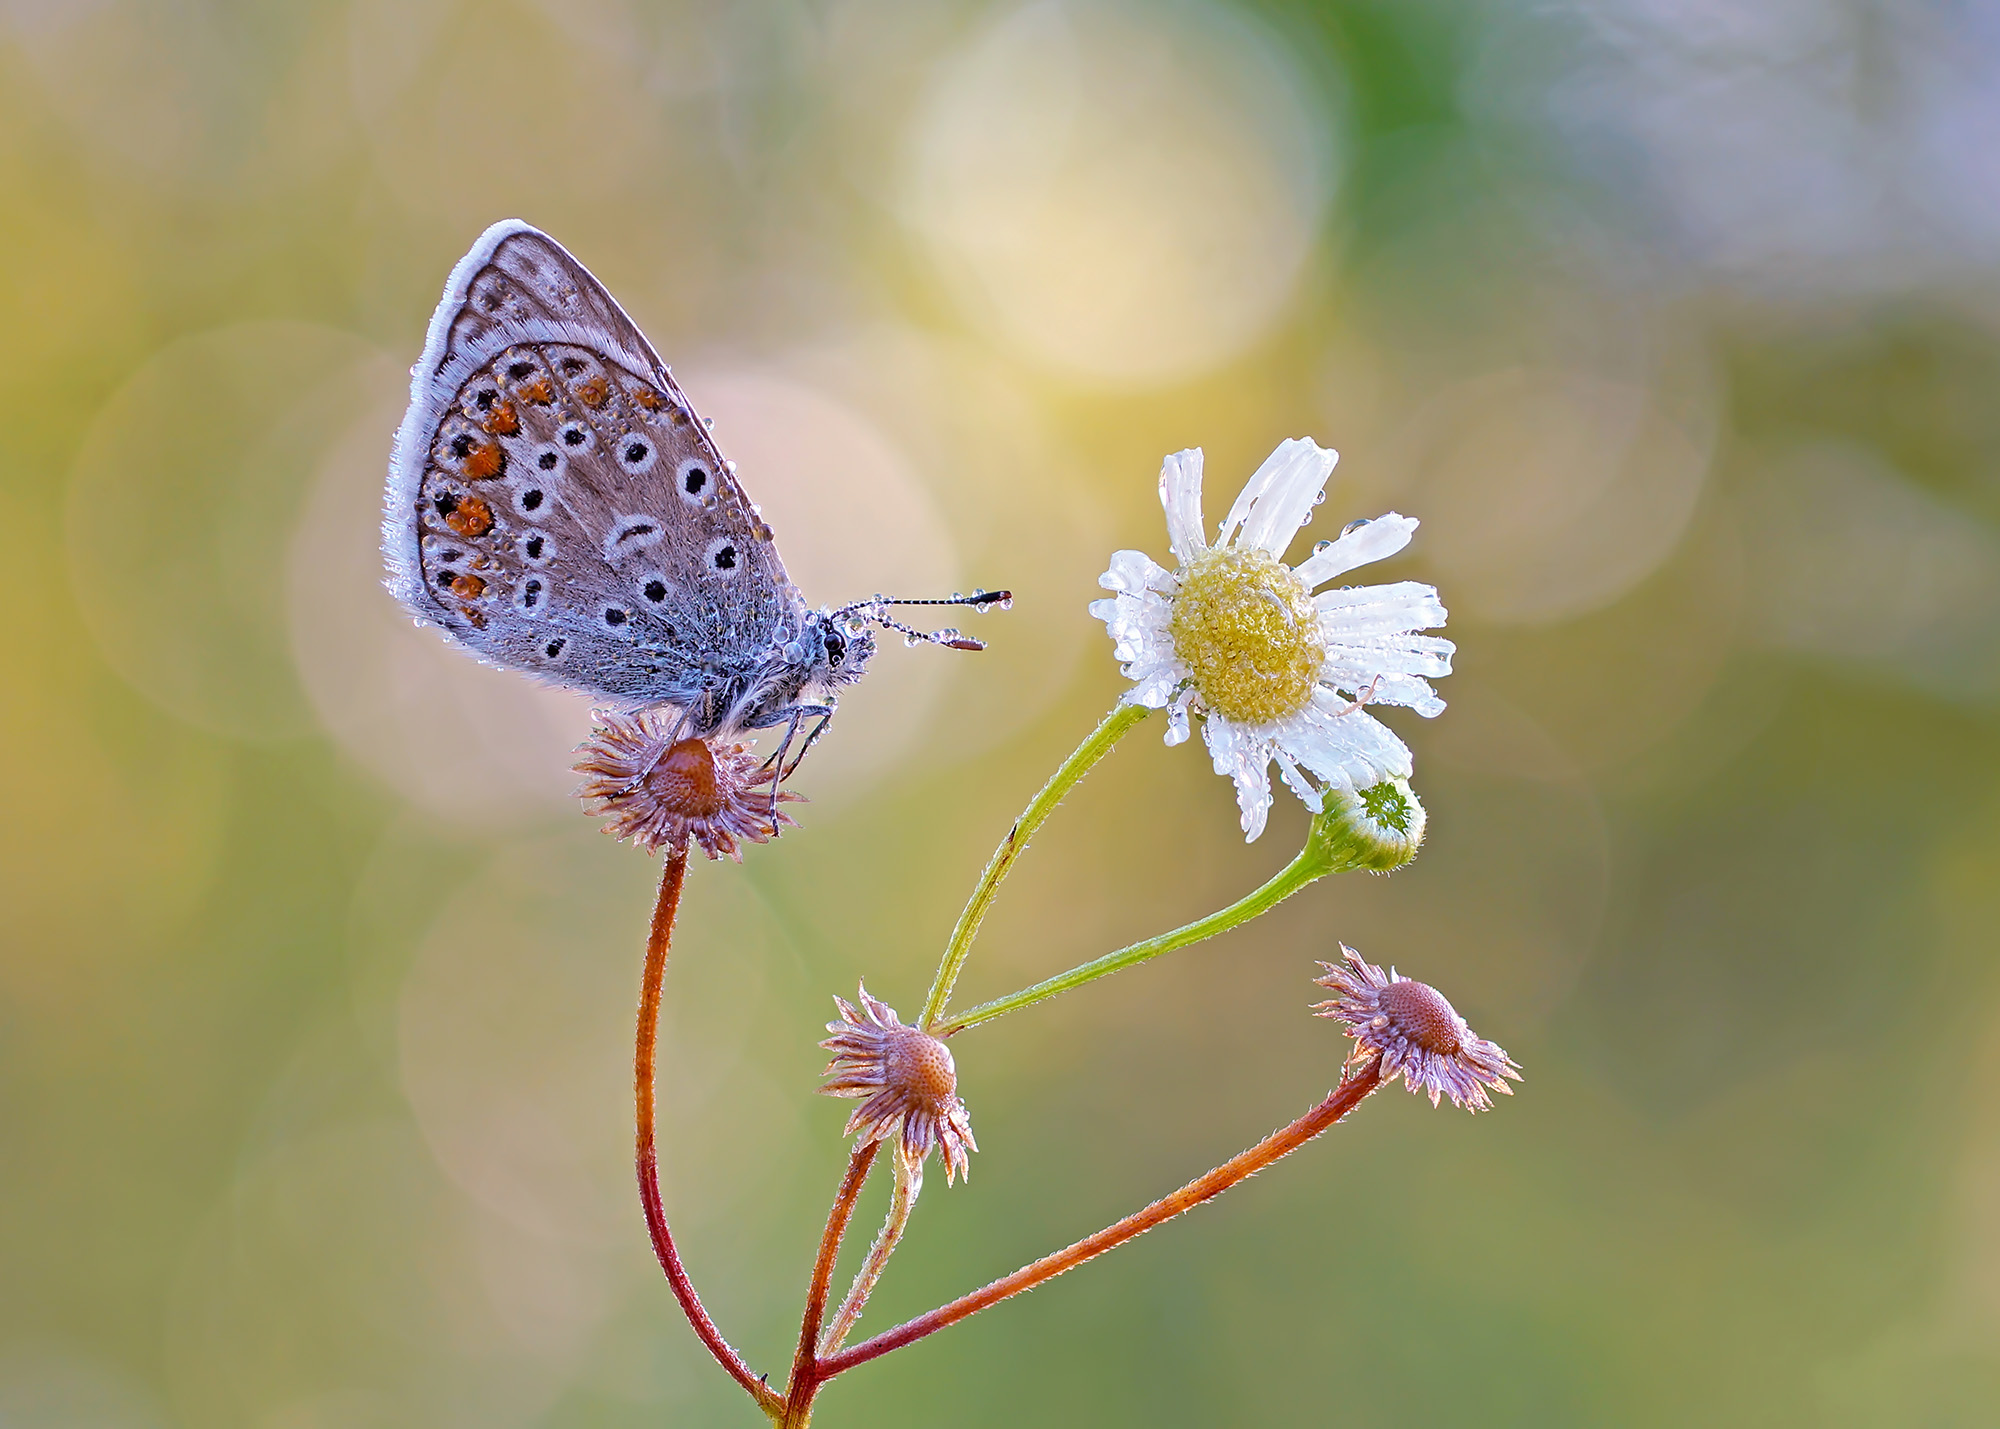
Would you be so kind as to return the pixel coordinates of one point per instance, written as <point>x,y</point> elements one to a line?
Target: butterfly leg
<point>825,713</point>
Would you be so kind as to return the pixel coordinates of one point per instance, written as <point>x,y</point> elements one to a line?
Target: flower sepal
<point>1379,828</point>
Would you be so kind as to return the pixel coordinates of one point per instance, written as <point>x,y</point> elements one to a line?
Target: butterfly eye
<point>575,435</point>
<point>532,502</point>
<point>692,480</point>
<point>655,589</point>
<point>722,556</point>
<point>629,534</point>
<point>554,649</point>
<point>636,455</point>
<point>615,618</point>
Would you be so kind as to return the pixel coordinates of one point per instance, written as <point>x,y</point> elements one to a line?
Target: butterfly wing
<point>555,504</point>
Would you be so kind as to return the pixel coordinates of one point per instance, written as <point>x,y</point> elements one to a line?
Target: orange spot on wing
<point>484,462</point>
<point>468,587</point>
<point>593,393</point>
<point>504,421</point>
<point>539,392</point>
<point>649,399</point>
<point>471,518</point>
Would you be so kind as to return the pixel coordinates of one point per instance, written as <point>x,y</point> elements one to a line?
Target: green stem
<point>1325,851</point>
<point>903,1200</point>
<point>1113,728</point>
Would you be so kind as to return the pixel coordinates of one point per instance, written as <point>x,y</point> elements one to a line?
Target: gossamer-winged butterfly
<point>556,506</point>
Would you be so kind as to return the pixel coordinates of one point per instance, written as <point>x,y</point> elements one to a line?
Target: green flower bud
<point>1378,828</point>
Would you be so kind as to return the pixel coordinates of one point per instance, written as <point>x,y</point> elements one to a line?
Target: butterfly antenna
<point>875,611</point>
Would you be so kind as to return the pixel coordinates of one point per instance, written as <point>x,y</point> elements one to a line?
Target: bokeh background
<point>1678,323</point>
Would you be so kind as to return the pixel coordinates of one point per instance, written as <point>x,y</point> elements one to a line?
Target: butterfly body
<point>556,506</point>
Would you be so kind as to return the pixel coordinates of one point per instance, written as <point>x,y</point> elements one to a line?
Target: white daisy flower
<point>1275,672</point>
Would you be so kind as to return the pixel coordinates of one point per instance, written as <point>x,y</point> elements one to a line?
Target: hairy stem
<point>1294,876</point>
<point>1320,856</point>
<point>1109,731</point>
<point>1343,1099</point>
<point>902,1200</point>
<point>658,940</point>
<point>805,1380</point>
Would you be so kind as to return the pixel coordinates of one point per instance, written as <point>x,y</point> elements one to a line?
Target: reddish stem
<point>658,939</point>
<point>806,1376</point>
<point>1343,1099</point>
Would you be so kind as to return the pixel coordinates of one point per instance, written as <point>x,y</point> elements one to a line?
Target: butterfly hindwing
<point>556,505</point>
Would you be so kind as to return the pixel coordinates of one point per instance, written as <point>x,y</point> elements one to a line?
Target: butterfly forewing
<point>557,506</point>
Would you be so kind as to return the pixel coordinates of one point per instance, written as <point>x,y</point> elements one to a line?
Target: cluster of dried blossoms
<point>1276,674</point>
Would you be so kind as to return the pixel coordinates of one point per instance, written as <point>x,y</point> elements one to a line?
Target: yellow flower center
<point>1245,627</point>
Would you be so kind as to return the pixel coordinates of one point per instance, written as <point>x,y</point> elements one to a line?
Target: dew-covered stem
<point>1343,1099</point>
<point>902,1200</point>
<point>1109,731</point>
<point>658,940</point>
<point>1320,856</point>
<point>806,1378</point>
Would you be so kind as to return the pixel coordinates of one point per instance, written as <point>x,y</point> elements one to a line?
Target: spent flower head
<point>1276,672</point>
<point>908,1079</point>
<point>657,790</point>
<point>1419,1035</point>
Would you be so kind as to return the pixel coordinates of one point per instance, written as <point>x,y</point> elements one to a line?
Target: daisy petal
<point>1135,572</point>
<point>1244,757</point>
<point>1358,546</point>
<point>1275,502</point>
<point>1180,494</point>
<point>1377,609</point>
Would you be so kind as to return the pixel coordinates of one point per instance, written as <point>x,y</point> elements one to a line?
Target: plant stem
<point>1343,1099</point>
<point>1315,860</point>
<point>805,1380</point>
<point>658,940</point>
<point>902,1200</point>
<point>1109,731</point>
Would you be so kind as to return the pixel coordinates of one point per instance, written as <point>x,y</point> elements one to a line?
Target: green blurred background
<point>1678,323</point>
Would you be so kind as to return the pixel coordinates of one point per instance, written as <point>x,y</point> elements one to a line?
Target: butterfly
<point>555,505</point>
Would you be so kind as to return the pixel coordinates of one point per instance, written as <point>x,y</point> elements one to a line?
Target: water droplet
<point>1307,520</point>
<point>1320,548</point>
<point>1006,602</point>
<point>1320,500</point>
<point>708,421</point>
<point>1351,527</point>
<point>731,465</point>
<point>911,641</point>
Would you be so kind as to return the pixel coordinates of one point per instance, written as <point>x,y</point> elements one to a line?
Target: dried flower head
<point>1277,673</point>
<point>656,790</point>
<point>1420,1036</point>
<point>907,1077</point>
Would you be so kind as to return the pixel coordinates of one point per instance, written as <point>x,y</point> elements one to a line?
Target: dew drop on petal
<point>1351,527</point>
<point>1320,548</point>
